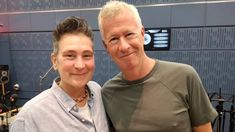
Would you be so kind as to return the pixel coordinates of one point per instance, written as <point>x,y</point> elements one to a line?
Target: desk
<point>7,117</point>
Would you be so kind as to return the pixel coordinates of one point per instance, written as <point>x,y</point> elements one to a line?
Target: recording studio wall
<point>202,35</point>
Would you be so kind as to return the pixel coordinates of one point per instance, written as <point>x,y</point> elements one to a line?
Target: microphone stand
<point>43,77</point>
<point>232,116</point>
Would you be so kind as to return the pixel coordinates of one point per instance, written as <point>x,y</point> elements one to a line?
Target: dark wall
<point>202,35</point>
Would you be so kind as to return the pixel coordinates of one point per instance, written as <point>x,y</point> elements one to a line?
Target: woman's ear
<point>54,61</point>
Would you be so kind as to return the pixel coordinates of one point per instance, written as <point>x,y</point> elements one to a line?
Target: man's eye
<point>113,41</point>
<point>130,35</point>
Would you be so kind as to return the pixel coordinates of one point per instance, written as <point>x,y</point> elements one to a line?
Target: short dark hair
<point>70,25</point>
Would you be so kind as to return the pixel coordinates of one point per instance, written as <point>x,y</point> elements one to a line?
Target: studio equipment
<point>223,112</point>
<point>4,77</point>
<point>43,77</point>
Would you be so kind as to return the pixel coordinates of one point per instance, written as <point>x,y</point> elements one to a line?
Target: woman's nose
<point>79,64</point>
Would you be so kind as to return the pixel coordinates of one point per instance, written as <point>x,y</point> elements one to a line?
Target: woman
<point>73,103</point>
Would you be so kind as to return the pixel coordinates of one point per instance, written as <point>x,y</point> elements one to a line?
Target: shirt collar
<point>64,99</point>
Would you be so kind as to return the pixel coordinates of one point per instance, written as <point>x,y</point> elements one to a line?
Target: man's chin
<point>127,67</point>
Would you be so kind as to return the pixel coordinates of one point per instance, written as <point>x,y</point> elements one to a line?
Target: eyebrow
<point>73,51</point>
<point>68,51</point>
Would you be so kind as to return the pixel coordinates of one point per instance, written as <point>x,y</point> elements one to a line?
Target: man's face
<point>74,61</point>
<point>123,37</point>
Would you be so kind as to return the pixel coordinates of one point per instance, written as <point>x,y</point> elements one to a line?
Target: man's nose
<point>124,45</point>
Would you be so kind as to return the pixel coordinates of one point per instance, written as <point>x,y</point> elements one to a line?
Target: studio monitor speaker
<point>4,74</point>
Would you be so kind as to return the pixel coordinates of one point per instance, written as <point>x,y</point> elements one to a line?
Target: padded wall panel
<point>91,17</point>
<point>4,50</point>
<point>3,6</point>
<point>17,5</point>
<point>28,66</point>
<point>91,3</point>
<point>19,22</point>
<point>64,14</point>
<point>114,69</point>
<point>4,21</point>
<point>220,14</point>
<point>102,69</point>
<point>23,61</point>
<point>220,38</point>
<point>81,4</point>
<point>188,15</point>
<point>147,2</point>
<point>158,16</point>
<point>41,4</point>
<point>43,21</point>
<point>98,45</point>
<point>66,4</point>
<point>41,64</point>
<point>41,41</point>
<point>186,38</point>
<point>218,69</point>
<point>23,97</point>
<point>4,38</point>
<point>78,4</point>
<point>20,41</point>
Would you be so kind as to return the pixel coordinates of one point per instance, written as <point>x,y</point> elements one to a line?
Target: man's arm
<point>203,128</point>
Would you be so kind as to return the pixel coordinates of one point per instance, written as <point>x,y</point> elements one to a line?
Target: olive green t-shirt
<point>171,98</point>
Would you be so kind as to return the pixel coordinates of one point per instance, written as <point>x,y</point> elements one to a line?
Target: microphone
<point>43,77</point>
<point>16,87</point>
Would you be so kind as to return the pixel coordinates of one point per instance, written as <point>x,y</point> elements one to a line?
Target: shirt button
<point>75,108</point>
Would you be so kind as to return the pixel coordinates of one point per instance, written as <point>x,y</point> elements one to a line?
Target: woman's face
<point>74,61</point>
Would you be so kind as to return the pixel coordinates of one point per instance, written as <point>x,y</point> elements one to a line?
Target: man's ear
<point>53,61</point>
<point>142,31</point>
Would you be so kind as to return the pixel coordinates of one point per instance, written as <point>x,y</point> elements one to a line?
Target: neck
<point>140,70</point>
<point>74,92</point>
<point>81,98</point>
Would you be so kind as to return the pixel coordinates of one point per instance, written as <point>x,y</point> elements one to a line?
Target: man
<point>73,103</point>
<point>148,94</point>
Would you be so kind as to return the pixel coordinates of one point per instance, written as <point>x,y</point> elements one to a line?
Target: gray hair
<point>113,8</point>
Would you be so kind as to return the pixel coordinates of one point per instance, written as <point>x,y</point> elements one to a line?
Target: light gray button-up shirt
<point>53,110</point>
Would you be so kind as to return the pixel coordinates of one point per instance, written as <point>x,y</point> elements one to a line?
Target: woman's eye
<point>88,56</point>
<point>70,56</point>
